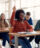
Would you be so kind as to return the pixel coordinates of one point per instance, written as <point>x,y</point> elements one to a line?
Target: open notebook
<point>34,32</point>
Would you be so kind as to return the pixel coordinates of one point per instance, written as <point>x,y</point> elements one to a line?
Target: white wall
<point>34,22</point>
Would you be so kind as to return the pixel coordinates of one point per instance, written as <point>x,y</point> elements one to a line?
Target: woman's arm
<point>29,27</point>
<point>12,21</point>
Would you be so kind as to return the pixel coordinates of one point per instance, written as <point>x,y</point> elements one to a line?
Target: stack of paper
<point>34,32</point>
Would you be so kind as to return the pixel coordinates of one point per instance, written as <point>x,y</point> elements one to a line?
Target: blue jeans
<point>23,42</point>
<point>5,37</point>
<point>37,39</point>
<point>31,38</point>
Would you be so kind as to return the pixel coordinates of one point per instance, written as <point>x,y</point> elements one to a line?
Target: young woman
<point>3,26</point>
<point>37,28</point>
<point>29,20</point>
<point>19,25</point>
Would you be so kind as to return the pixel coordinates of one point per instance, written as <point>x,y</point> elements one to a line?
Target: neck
<point>21,20</point>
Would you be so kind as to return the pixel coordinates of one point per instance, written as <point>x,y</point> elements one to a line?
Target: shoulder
<point>38,21</point>
<point>30,19</point>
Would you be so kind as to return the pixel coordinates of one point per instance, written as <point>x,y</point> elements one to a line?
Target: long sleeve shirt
<point>3,23</point>
<point>37,26</point>
<point>19,26</point>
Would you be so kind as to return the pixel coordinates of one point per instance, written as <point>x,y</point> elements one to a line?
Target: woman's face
<point>21,16</point>
<point>2,16</point>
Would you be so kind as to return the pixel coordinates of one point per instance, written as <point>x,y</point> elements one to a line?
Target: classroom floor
<point>8,46</point>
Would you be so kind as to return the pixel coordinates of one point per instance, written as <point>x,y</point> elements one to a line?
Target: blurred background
<point>33,6</point>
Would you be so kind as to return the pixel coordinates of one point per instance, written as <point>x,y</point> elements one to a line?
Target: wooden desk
<point>16,35</point>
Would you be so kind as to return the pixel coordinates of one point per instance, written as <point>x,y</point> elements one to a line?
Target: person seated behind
<point>3,26</point>
<point>29,20</point>
<point>19,25</point>
<point>37,28</point>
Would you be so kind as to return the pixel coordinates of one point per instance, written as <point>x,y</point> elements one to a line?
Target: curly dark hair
<point>18,14</point>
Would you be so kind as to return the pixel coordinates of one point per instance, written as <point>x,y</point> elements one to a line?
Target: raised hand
<point>14,9</point>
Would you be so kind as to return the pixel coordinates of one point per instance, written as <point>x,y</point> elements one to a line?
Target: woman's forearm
<point>12,18</point>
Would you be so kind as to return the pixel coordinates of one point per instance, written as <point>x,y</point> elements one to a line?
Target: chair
<point>39,45</point>
<point>10,30</point>
<point>37,40</point>
<point>1,43</point>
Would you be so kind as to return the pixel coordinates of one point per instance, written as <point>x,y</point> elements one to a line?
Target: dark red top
<point>19,26</point>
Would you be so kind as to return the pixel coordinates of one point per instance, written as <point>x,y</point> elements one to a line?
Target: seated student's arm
<point>31,22</point>
<point>6,24</point>
<point>0,28</point>
<point>0,25</point>
<point>29,27</point>
<point>37,26</point>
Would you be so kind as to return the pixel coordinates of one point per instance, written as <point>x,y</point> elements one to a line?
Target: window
<point>17,4</point>
<point>29,10</point>
<point>4,7</point>
<point>33,6</point>
<point>37,13</point>
<point>26,3</point>
<point>7,15</point>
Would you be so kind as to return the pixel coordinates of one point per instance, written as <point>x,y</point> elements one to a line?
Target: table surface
<point>22,34</point>
<point>25,34</point>
<point>34,33</point>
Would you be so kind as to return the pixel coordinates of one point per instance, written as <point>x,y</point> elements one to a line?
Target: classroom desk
<point>26,34</point>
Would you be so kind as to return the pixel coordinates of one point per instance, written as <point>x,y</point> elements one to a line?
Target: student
<point>3,26</point>
<point>19,25</point>
<point>37,28</point>
<point>29,20</point>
